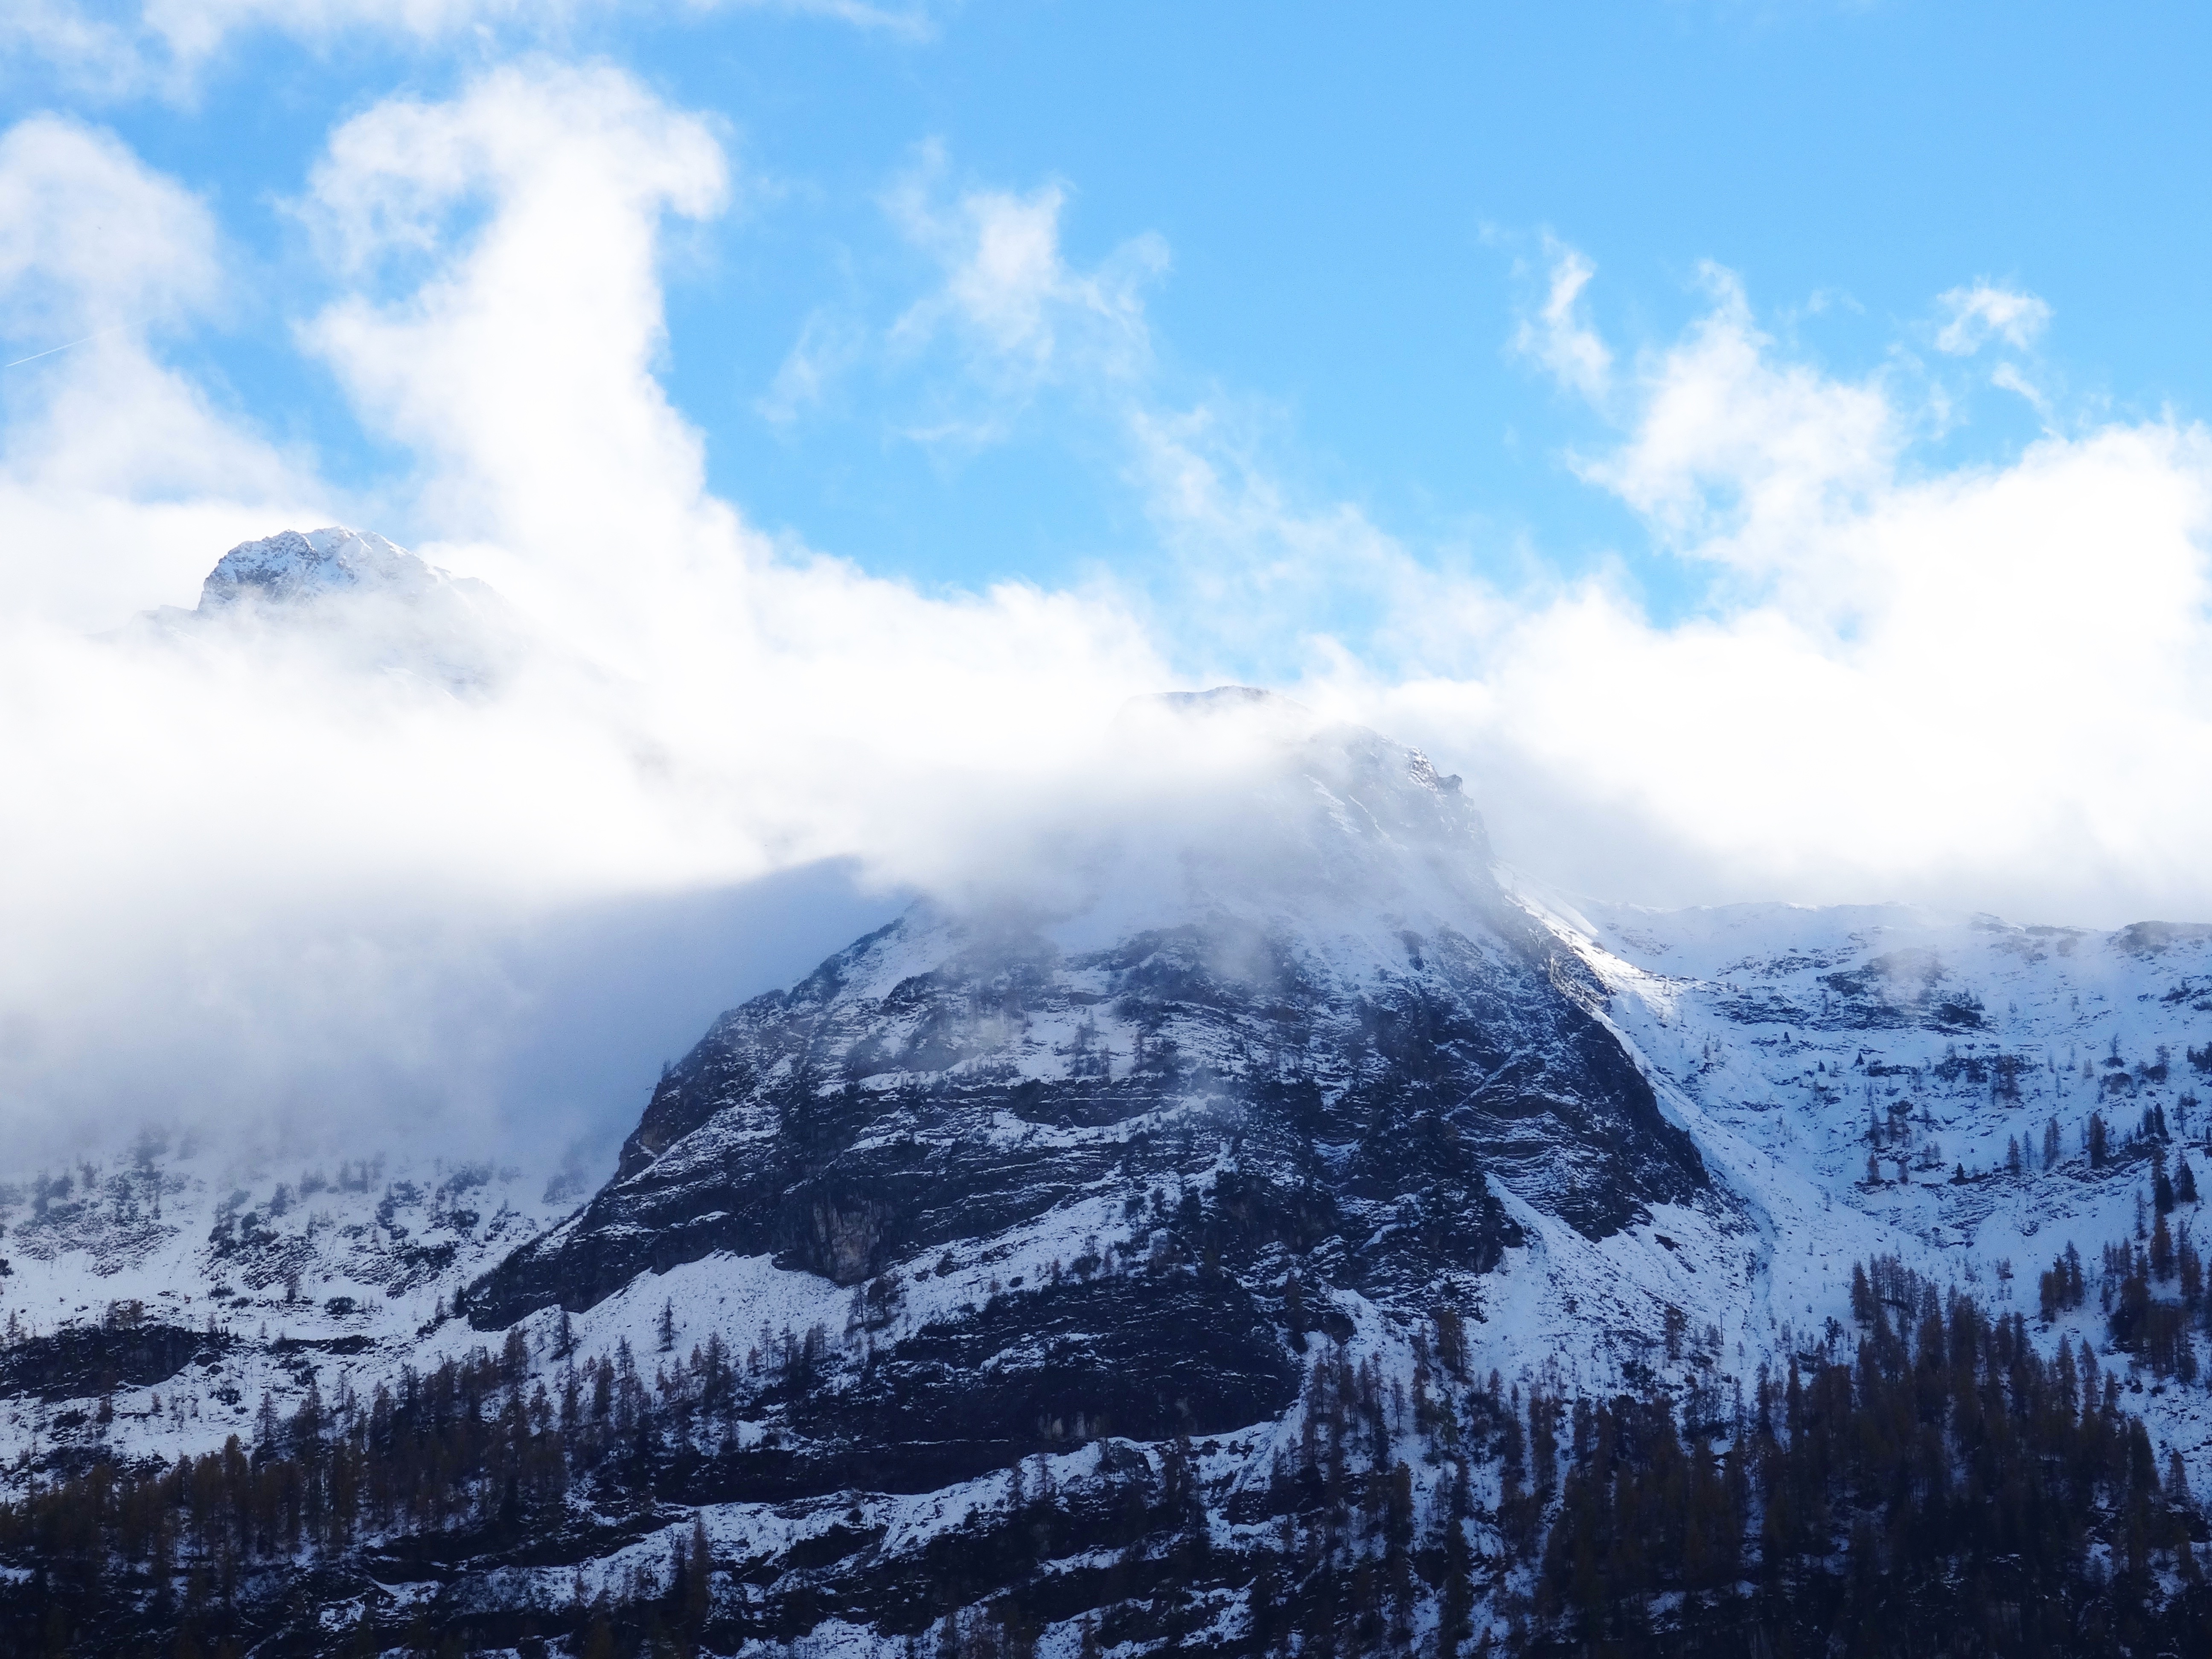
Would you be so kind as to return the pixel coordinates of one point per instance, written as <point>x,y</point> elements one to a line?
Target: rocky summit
<point>1119,1187</point>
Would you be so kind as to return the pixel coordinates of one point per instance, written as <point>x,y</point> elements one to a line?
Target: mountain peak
<point>1239,697</point>
<point>350,602</point>
<point>289,568</point>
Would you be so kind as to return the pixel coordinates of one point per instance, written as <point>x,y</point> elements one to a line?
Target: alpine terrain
<point>1295,1234</point>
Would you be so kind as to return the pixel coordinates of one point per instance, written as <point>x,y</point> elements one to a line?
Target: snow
<point>101,1246</point>
<point>1736,1012</point>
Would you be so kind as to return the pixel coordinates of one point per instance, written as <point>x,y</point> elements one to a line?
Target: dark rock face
<point>1143,1357</point>
<point>75,1362</point>
<point>844,1133</point>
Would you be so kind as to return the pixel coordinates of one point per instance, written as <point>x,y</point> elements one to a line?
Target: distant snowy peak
<point>289,568</point>
<point>352,602</point>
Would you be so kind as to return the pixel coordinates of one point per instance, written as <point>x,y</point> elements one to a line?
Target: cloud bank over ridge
<point>1985,687</point>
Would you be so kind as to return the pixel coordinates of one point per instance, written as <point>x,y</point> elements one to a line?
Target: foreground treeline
<point>1941,1489</point>
<point>474,1450</point>
<point>1926,1483</point>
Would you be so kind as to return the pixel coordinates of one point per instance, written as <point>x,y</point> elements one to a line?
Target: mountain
<point>289,568</point>
<point>355,603</point>
<point>1077,1193</point>
<point>1263,1225</point>
<point>1357,1077</point>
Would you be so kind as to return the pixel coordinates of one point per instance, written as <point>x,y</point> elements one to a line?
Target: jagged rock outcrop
<point>290,567</point>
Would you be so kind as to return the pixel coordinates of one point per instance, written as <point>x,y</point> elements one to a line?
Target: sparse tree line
<point>1895,1136</point>
<point>1939,1488</point>
<point>1923,1482</point>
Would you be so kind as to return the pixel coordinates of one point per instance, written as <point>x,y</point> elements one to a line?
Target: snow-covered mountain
<point>357,603</point>
<point>1880,1078</point>
<point>1314,1131</point>
<point>155,1297</point>
<point>289,568</point>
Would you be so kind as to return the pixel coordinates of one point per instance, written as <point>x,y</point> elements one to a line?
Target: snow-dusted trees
<point>2061,1287</point>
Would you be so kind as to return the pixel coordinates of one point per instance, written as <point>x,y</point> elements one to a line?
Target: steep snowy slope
<point>1882,1077</point>
<point>155,1297</point>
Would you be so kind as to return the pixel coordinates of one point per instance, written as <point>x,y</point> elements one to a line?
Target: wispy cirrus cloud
<point>1557,337</point>
<point>1017,316</point>
<point>830,343</point>
<point>1977,314</point>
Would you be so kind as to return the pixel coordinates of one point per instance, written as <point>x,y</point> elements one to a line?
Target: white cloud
<point>1747,458</point>
<point>1992,686</point>
<point>263,856</point>
<point>2007,377</point>
<point>1021,317</point>
<point>116,471</point>
<point>522,368</point>
<point>1558,337</point>
<point>1986,685</point>
<point>90,239</point>
<point>1989,686</point>
<point>1976,315</point>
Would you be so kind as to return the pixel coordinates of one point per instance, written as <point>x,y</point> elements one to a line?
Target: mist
<point>534,1040</point>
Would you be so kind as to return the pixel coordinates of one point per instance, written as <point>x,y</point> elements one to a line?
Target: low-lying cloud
<point>1986,686</point>
<point>245,876</point>
<point>247,838</point>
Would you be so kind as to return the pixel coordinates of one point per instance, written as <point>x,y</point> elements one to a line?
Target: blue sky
<point>1350,217</point>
